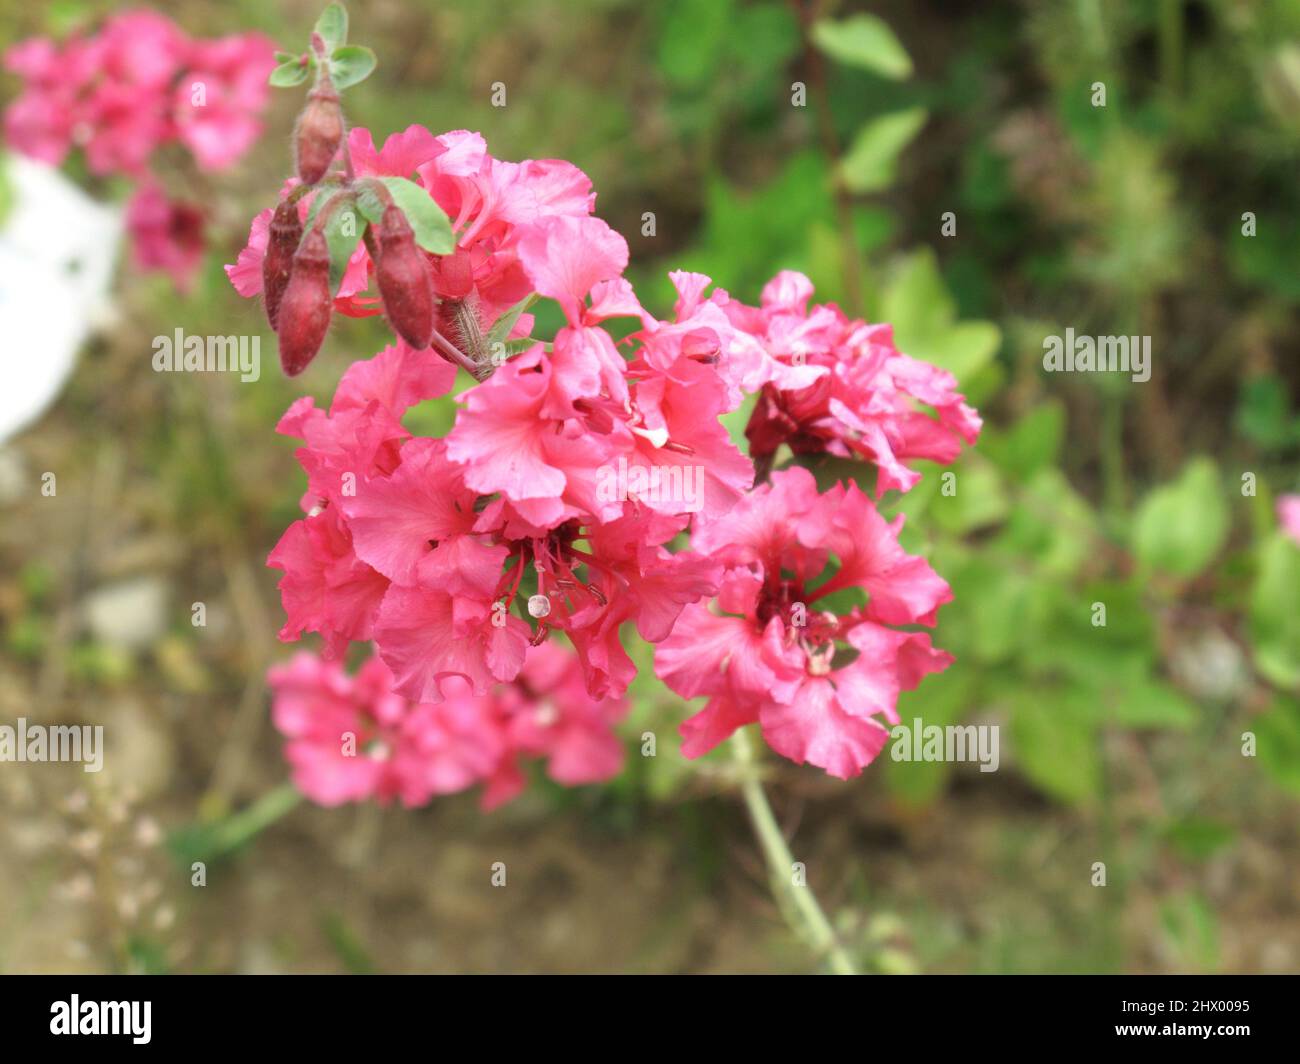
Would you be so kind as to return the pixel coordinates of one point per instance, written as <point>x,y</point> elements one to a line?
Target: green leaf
<point>1150,704</point>
<point>924,314</point>
<point>1275,612</point>
<point>1277,735</point>
<point>1032,444</point>
<point>863,41</point>
<point>692,40</point>
<point>870,162</point>
<point>1192,931</point>
<point>941,700</point>
<point>965,349</point>
<point>333,26</point>
<point>979,498</point>
<point>1002,593</point>
<point>344,229</point>
<point>1099,658</point>
<point>1198,838</point>
<point>502,326</point>
<point>290,73</point>
<point>430,223</point>
<point>351,64</point>
<point>1180,527</point>
<point>1055,742</point>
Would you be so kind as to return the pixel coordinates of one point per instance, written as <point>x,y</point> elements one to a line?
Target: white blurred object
<point>57,251</point>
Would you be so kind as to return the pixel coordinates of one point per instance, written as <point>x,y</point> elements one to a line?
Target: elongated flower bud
<point>404,282</point>
<point>455,275</point>
<point>284,236</point>
<point>319,132</point>
<point>305,310</point>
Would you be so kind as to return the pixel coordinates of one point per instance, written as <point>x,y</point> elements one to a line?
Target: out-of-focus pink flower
<point>219,98</point>
<point>354,738</point>
<point>1288,516</point>
<point>137,86</point>
<point>166,234</point>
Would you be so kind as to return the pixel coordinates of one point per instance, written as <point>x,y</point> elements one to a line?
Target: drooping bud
<point>455,278</point>
<point>305,310</point>
<point>404,282</point>
<point>319,132</point>
<point>284,236</point>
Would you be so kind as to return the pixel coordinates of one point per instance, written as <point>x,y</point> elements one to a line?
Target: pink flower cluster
<point>135,87</point>
<point>562,499</point>
<point>861,398</point>
<point>353,738</point>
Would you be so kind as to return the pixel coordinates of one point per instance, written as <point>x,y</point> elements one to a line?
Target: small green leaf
<point>980,499</point>
<point>870,162</point>
<point>1055,743</point>
<point>343,230</point>
<point>502,326</point>
<point>863,41</point>
<point>1197,838</point>
<point>1181,526</point>
<point>1274,614</point>
<point>290,73</point>
<point>319,197</point>
<point>333,26</point>
<point>1278,737</point>
<point>1150,704</point>
<point>351,64</point>
<point>430,223</point>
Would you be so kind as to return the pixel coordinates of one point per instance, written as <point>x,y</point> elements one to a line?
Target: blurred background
<point>1121,744</point>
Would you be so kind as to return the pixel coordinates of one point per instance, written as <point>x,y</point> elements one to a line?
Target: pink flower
<point>218,101</point>
<point>493,205</point>
<point>548,713</point>
<point>863,403</point>
<point>166,234</point>
<point>245,272</point>
<point>355,738</point>
<point>421,508</point>
<point>426,635</point>
<point>1288,516</point>
<point>765,655</point>
<point>326,588</point>
<point>130,91</point>
<point>548,467</point>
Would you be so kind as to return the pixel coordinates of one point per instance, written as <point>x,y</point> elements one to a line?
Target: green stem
<point>238,828</point>
<point>817,929</point>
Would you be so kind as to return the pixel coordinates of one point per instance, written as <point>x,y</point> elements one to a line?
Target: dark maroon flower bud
<point>455,279</point>
<point>404,282</point>
<point>305,310</point>
<point>284,235</point>
<point>319,132</point>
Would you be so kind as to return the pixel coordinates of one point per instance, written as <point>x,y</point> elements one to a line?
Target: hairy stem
<point>816,929</point>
